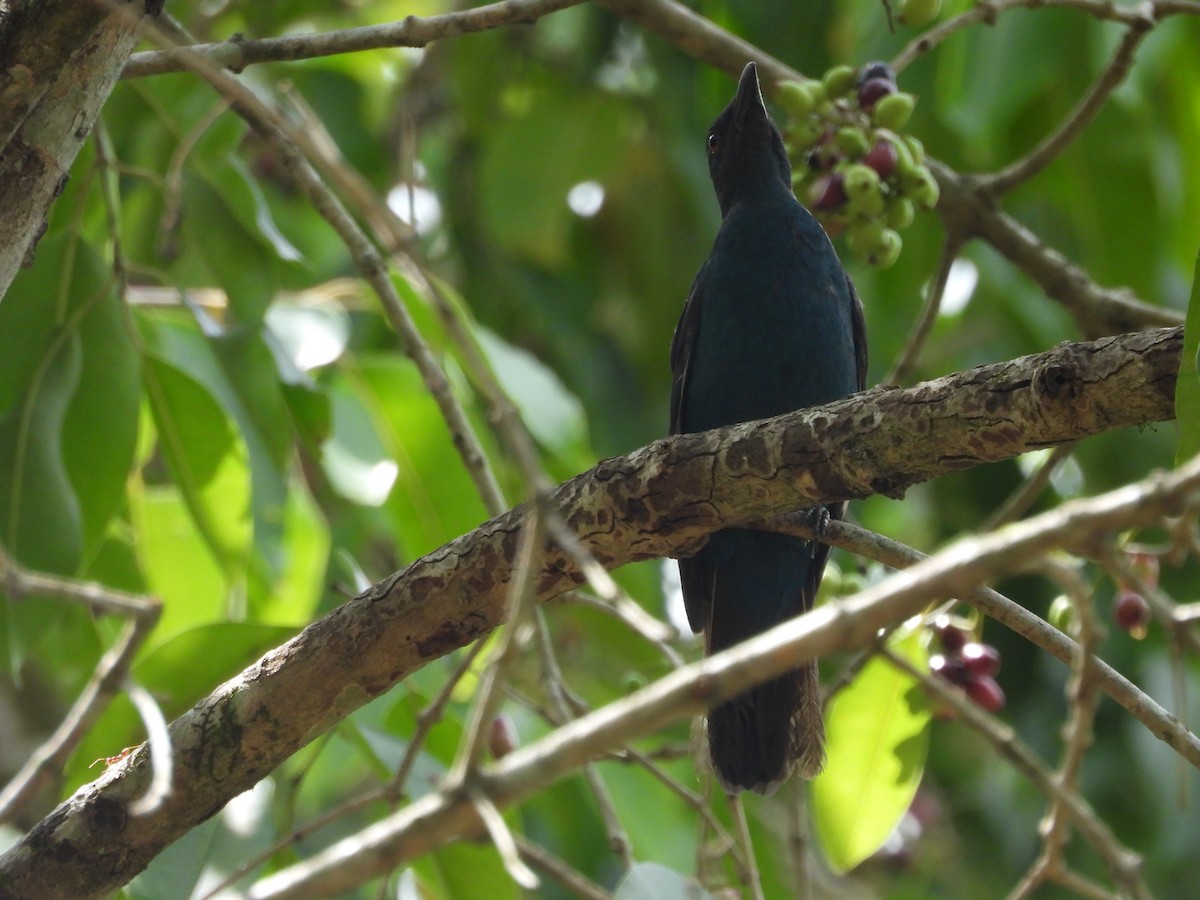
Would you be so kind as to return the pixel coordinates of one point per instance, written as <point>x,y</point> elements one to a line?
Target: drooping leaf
<point>878,738</point>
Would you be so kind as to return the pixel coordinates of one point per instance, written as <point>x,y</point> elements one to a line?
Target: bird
<point>772,324</point>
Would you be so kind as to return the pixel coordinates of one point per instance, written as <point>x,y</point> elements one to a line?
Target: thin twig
<point>1161,723</point>
<point>555,686</point>
<point>48,760</point>
<point>1082,699</point>
<point>1081,117</point>
<point>1123,864</point>
<point>989,11</point>
<point>1029,490</point>
<point>569,878</point>
<point>749,872</point>
<point>929,312</point>
<point>502,837</point>
<point>238,52</point>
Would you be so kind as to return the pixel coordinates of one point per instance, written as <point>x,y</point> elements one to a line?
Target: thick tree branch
<point>59,60</point>
<point>654,502</point>
<point>842,625</point>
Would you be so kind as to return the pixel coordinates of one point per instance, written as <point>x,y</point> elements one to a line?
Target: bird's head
<point>746,156</point>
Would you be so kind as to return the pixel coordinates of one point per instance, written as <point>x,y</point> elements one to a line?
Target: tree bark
<point>59,60</point>
<point>657,501</point>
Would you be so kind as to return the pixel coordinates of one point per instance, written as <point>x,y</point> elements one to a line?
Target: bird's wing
<point>683,344</point>
<point>694,573</point>
<point>858,323</point>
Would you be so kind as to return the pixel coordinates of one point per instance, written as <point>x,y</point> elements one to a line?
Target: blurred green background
<point>241,435</point>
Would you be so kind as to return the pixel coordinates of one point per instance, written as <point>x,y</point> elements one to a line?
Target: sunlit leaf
<point>878,738</point>
<point>1187,387</point>
<point>207,459</point>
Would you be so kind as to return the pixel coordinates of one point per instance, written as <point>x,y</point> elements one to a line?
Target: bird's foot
<point>817,518</point>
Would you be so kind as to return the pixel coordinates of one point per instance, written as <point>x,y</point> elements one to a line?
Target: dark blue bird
<point>772,324</point>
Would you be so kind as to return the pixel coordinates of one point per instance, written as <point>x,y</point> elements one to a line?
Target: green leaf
<point>1187,387</point>
<point>207,459</point>
<point>468,871</point>
<point>878,739</point>
<point>69,376</point>
<point>178,564</point>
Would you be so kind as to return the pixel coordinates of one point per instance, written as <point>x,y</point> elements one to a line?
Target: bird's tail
<point>759,738</point>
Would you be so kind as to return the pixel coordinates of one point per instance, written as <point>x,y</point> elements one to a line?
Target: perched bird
<point>772,324</point>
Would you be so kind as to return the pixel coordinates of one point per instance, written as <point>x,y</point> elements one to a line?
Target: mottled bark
<point>653,502</point>
<point>59,60</point>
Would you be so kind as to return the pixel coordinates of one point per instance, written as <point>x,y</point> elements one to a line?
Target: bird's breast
<point>776,330</point>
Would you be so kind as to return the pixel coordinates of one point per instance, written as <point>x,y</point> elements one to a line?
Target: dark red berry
<point>871,90</point>
<point>502,736</point>
<point>986,693</point>
<point>828,192</point>
<point>1131,612</point>
<point>949,667</point>
<point>882,158</point>
<point>981,660</point>
<point>952,637</point>
<point>876,70</point>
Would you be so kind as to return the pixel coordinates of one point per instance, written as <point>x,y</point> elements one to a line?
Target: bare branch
<point>644,505</point>
<point>844,624</point>
<point>237,53</point>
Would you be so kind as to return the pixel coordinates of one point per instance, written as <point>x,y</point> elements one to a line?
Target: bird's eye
<point>713,144</point>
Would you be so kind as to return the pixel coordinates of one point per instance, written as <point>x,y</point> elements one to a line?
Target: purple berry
<point>986,693</point>
<point>981,660</point>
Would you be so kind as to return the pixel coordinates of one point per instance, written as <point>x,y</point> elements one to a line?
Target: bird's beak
<point>748,101</point>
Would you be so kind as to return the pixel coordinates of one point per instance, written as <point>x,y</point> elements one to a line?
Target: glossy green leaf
<point>426,511</point>
<point>175,559</point>
<point>467,871</point>
<point>877,742</point>
<point>68,406</point>
<point>207,459</point>
<point>1187,387</point>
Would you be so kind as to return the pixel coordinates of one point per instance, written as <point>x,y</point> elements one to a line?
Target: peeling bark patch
<point>451,635</point>
<point>750,456</point>
<point>1057,381</point>
<point>108,816</point>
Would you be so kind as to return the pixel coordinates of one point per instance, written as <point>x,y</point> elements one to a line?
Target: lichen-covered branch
<point>656,501</point>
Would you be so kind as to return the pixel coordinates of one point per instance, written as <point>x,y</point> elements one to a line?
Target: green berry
<point>861,181</point>
<point>804,133</point>
<point>893,110</point>
<point>886,251</point>
<point>918,12</point>
<point>795,97</point>
<point>899,213</point>
<point>1062,613</point>
<point>923,189</point>
<point>863,236</point>
<point>839,81</point>
<point>851,141</point>
<point>916,149</point>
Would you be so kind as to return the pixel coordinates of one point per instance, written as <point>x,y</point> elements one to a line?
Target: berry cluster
<point>859,174</point>
<point>967,663</point>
